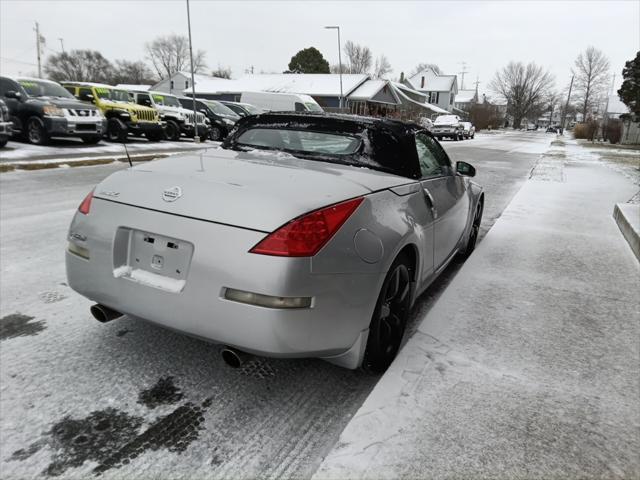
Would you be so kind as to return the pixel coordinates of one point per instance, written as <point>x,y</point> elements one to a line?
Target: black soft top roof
<point>388,144</point>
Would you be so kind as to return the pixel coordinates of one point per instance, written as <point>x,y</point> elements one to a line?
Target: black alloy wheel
<point>389,318</point>
<point>36,133</point>
<point>216,134</point>
<point>475,230</point>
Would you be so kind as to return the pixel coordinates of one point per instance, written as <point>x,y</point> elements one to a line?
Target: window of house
<point>171,85</point>
<point>186,84</point>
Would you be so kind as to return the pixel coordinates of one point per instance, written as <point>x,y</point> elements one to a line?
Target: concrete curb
<point>628,219</point>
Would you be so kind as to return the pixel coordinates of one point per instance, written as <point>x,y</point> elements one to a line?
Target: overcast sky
<point>266,34</point>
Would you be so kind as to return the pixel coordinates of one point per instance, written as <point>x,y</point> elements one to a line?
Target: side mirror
<point>466,169</point>
<point>202,110</point>
<point>13,94</point>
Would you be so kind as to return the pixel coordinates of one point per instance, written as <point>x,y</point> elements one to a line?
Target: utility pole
<point>196,138</point>
<point>38,40</point>
<point>605,115</point>
<point>61,43</point>
<point>566,105</point>
<point>464,70</point>
<point>336,27</point>
<point>476,83</point>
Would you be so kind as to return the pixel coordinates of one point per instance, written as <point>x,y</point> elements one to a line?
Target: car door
<point>445,191</point>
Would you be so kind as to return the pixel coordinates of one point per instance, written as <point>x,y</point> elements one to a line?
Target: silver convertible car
<point>304,235</point>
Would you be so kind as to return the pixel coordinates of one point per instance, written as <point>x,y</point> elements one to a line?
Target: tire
<point>389,318</point>
<point>455,138</point>
<point>473,136</point>
<point>91,140</point>
<point>116,131</point>
<point>172,131</point>
<point>35,132</point>
<point>473,234</point>
<point>215,134</point>
<point>3,141</point>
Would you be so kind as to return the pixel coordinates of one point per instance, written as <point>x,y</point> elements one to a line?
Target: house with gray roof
<point>440,90</point>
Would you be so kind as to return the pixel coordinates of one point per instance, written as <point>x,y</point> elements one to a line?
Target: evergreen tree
<point>308,60</point>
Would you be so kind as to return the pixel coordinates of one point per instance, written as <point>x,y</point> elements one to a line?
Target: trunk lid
<point>258,190</point>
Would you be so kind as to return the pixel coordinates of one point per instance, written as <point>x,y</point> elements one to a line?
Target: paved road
<point>129,399</point>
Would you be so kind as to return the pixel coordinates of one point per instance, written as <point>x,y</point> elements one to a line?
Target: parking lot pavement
<point>22,152</point>
<point>127,399</point>
<point>528,366</point>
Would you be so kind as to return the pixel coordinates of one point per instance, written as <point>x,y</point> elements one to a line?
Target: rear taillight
<point>306,235</point>
<point>85,206</point>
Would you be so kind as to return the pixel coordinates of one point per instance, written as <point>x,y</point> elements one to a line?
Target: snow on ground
<point>528,365</point>
<point>130,400</point>
<point>62,148</point>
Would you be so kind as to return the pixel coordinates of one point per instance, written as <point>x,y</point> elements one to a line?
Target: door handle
<point>432,204</point>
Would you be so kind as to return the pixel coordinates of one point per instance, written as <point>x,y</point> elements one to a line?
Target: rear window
<point>446,119</point>
<point>300,141</point>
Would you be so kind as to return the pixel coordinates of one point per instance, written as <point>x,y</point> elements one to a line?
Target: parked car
<point>6,127</point>
<point>281,102</point>
<point>468,130</point>
<point>123,117</point>
<point>531,126</point>
<point>177,120</point>
<point>425,123</point>
<point>448,126</point>
<point>41,109</point>
<point>221,119</point>
<point>306,235</point>
<point>242,109</point>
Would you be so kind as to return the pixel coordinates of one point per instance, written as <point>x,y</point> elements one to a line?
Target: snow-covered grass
<point>19,151</point>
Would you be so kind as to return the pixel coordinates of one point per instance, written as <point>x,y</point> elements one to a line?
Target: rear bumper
<point>337,320</point>
<point>62,126</point>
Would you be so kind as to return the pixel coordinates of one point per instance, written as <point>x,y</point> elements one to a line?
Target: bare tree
<point>423,66</point>
<point>170,54</point>
<point>221,72</point>
<point>137,73</point>
<point>592,77</point>
<point>78,65</point>
<point>525,87</point>
<point>359,57</point>
<point>382,67</point>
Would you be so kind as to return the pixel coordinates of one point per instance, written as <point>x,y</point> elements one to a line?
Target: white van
<point>281,102</point>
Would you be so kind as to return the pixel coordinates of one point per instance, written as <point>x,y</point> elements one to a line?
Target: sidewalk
<point>528,366</point>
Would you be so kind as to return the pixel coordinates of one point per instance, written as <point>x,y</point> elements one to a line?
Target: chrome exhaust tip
<point>234,358</point>
<point>104,314</point>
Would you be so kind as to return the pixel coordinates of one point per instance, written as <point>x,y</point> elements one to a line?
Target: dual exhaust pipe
<point>231,356</point>
<point>104,314</point>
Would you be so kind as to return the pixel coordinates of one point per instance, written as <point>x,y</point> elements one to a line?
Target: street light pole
<point>196,138</point>
<point>339,60</point>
